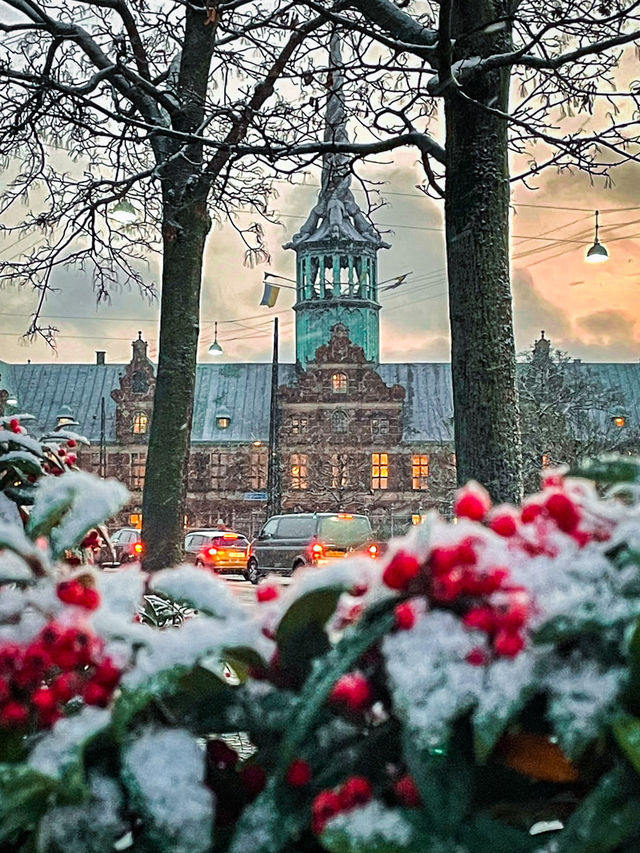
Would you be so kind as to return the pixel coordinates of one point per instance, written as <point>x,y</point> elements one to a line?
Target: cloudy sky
<point>592,311</point>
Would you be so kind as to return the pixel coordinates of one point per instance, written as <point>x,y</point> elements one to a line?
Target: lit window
<point>545,460</point>
<point>339,383</point>
<point>140,423</point>
<point>218,471</point>
<point>379,471</point>
<point>223,422</point>
<point>619,421</point>
<point>298,426</point>
<point>299,471</point>
<point>339,422</point>
<point>135,520</point>
<point>136,476</point>
<point>420,471</point>
<point>339,471</point>
<point>258,469</point>
<point>379,426</point>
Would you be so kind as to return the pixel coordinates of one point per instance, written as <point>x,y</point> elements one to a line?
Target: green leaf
<point>609,469</point>
<point>626,730</point>
<point>605,819</point>
<point>484,834</point>
<point>301,636</point>
<point>24,795</point>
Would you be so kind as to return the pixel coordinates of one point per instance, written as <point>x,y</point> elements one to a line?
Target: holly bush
<point>476,689</point>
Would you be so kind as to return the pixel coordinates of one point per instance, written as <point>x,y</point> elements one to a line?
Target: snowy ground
<point>246,591</point>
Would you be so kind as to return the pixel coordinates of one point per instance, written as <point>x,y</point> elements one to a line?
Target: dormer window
<point>140,423</point>
<point>339,422</point>
<point>339,383</point>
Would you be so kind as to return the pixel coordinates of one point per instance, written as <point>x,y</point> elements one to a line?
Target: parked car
<point>219,550</point>
<point>287,542</point>
<point>126,547</point>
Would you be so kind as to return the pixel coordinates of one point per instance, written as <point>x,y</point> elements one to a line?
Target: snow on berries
<point>354,792</point>
<point>37,679</point>
<point>473,502</point>
<point>80,593</point>
<point>401,570</point>
<point>352,691</point>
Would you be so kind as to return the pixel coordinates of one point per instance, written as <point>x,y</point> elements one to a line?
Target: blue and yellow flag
<point>270,295</point>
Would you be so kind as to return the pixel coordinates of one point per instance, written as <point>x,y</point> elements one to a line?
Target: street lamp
<point>597,254</point>
<point>215,348</point>
<point>124,212</point>
<point>65,418</point>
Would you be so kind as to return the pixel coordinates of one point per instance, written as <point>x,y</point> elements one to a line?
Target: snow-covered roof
<point>244,390</point>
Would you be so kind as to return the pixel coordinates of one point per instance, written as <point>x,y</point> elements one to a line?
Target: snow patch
<point>199,588</point>
<point>58,751</point>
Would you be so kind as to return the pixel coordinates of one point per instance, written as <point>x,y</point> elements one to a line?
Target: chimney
<point>100,354</point>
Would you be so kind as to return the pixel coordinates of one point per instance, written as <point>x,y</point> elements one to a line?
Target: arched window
<point>140,423</point>
<point>339,383</point>
<point>339,422</point>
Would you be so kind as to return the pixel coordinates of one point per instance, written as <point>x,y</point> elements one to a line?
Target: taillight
<point>212,551</point>
<point>317,550</point>
<point>373,551</point>
<point>138,548</point>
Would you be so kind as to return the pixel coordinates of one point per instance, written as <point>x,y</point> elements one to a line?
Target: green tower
<point>336,248</point>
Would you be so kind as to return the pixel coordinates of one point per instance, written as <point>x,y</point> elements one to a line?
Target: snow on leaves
<point>164,772</point>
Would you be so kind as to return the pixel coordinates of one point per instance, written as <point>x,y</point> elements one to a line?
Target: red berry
<point>221,754</point>
<point>66,686</point>
<point>71,458</point>
<point>442,560</point>
<point>480,619</point>
<point>508,643</point>
<point>401,570</point>
<point>449,587</point>
<point>356,791</point>
<point>71,592</point>
<point>51,634</point>
<point>90,598</point>
<point>267,592</point>
<point>530,512</point>
<point>563,511</point>
<point>72,442</point>
<point>326,805</point>
<point>299,773</point>
<point>472,501</point>
<point>14,425</point>
<point>504,524</point>
<point>358,590</point>
<point>62,451</point>
<point>37,657</point>
<point>476,657</point>
<point>107,674</point>
<point>582,537</point>
<point>44,700</point>
<point>353,691</point>
<point>405,614</point>
<point>465,552</point>
<point>254,778</point>
<point>515,617</point>
<point>494,579</point>
<point>407,791</point>
<point>96,694</point>
<point>13,715</point>
<point>10,657</point>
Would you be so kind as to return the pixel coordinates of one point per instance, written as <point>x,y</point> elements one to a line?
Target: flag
<point>270,295</point>
<point>397,282</point>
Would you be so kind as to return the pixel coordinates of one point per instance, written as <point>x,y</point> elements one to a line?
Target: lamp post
<point>274,484</point>
<point>124,212</point>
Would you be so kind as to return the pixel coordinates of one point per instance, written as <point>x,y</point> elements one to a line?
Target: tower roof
<point>336,215</point>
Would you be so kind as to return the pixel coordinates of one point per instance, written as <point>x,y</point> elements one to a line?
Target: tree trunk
<point>164,497</point>
<point>483,363</point>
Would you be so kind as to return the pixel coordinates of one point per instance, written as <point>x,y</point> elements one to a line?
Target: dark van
<point>287,542</point>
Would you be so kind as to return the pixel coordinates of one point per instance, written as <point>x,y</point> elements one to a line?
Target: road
<point>245,591</point>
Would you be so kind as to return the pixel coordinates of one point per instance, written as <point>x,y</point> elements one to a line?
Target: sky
<point>590,311</point>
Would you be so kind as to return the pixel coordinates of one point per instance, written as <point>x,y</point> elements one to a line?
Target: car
<point>126,547</point>
<point>219,550</point>
<point>287,542</point>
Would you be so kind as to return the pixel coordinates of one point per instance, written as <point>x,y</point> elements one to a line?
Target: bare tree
<point>569,413</point>
<point>491,77</point>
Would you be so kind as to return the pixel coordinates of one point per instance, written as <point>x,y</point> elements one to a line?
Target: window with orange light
<point>339,383</point>
<point>135,520</point>
<point>420,471</point>
<point>140,423</point>
<point>379,471</point>
<point>137,470</point>
<point>299,471</point>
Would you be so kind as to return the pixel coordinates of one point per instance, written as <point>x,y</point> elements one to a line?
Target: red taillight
<point>138,548</point>
<point>317,550</point>
<point>212,551</point>
<point>373,551</point>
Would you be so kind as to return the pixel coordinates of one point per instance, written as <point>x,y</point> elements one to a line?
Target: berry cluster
<point>82,594</point>
<point>38,679</point>
<point>355,791</point>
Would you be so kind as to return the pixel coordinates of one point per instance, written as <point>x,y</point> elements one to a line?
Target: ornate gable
<point>134,398</point>
<point>340,349</point>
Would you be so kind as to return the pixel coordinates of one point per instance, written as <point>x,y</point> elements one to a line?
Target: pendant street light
<point>124,212</point>
<point>597,254</point>
<point>215,348</point>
